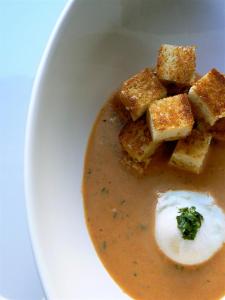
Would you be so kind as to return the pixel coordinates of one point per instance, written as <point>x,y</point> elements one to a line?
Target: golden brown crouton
<point>136,140</point>
<point>190,152</point>
<point>170,118</point>
<point>175,88</point>
<point>137,168</point>
<point>119,108</point>
<point>208,95</point>
<point>218,130</point>
<point>139,91</point>
<point>196,76</point>
<point>201,125</point>
<point>176,63</point>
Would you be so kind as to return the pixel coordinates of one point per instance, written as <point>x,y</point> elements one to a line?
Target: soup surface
<point>120,209</point>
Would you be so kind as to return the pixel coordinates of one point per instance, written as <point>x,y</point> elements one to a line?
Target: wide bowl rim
<point>28,149</point>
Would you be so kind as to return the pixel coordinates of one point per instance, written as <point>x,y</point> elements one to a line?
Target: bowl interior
<point>97,45</point>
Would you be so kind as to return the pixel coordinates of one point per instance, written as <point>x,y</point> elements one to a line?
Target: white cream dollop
<point>210,237</point>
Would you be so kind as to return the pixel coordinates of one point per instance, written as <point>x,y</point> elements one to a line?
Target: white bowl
<point>94,46</point>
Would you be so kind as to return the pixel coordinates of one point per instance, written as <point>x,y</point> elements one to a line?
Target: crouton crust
<point>171,112</point>
<point>137,168</point>
<point>139,91</point>
<point>176,63</point>
<point>190,152</point>
<point>211,90</point>
<point>218,130</point>
<point>136,140</point>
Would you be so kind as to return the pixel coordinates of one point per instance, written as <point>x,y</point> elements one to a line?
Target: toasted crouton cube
<point>136,140</point>
<point>170,118</point>
<point>218,130</point>
<point>119,108</point>
<point>175,88</point>
<point>139,91</point>
<point>196,76</point>
<point>201,125</point>
<point>176,63</point>
<point>191,152</point>
<point>208,95</point>
<point>138,168</point>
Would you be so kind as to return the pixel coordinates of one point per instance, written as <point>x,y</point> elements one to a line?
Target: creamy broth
<point>120,210</point>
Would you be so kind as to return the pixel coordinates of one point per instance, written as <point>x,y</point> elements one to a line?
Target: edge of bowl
<point>30,128</point>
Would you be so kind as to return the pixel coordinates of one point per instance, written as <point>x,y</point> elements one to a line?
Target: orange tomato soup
<point>120,210</point>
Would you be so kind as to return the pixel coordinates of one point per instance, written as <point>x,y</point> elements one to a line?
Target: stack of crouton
<point>172,103</point>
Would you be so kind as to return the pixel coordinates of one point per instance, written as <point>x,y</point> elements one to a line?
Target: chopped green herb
<point>122,202</point>
<point>115,213</point>
<point>189,222</point>
<point>104,245</point>
<point>142,226</point>
<point>89,171</point>
<point>179,267</point>
<point>104,191</point>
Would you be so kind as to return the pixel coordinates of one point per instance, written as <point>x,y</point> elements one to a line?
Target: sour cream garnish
<point>209,238</point>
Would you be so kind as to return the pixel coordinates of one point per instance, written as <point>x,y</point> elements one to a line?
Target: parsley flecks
<point>104,191</point>
<point>142,227</point>
<point>189,222</point>
<point>115,214</point>
<point>89,171</point>
<point>103,245</point>
<point>179,267</point>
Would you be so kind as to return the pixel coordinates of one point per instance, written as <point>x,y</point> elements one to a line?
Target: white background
<point>25,26</point>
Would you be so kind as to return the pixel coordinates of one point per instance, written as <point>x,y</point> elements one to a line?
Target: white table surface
<point>25,26</point>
